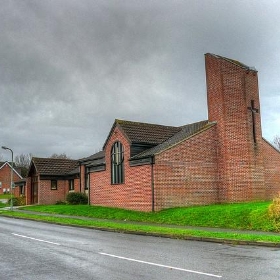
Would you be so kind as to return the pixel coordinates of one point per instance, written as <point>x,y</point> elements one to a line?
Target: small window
<point>117,163</point>
<point>71,185</point>
<point>53,185</point>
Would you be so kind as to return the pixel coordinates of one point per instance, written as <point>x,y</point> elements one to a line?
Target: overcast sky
<point>69,68</point>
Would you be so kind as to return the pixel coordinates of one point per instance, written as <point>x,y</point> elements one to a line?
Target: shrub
<point>17,201</point>
<point>274,211</point>
<point>60,202</point>
<point>75,198</point>
<point>274,208</point>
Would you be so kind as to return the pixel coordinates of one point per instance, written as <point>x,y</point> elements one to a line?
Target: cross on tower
<point>254,111</point>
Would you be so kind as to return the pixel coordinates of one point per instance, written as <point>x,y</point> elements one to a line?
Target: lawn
<point>5,196</point>
<point>249,216</point>
<point>246,216</point>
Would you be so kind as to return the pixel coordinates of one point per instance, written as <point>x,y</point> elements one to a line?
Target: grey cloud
<point>69,68</point>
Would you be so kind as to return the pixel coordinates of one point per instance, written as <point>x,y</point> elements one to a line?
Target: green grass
<point>2,204</point>
<point>235,238</point>
<point>249,216</point>
<point>5,196</point>
<point>246,216</point>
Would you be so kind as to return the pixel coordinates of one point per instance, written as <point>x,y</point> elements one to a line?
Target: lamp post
<point>12,172</point>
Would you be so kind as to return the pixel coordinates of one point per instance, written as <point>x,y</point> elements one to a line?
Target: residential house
<point>51,179</point>
<point>5,178</point>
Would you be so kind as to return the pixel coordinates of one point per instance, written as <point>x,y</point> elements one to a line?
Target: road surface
<point>34,250</point>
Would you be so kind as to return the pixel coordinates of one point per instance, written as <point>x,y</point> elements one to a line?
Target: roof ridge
<point>119,121</point>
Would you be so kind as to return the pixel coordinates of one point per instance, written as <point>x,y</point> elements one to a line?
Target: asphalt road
<point>34,250</point>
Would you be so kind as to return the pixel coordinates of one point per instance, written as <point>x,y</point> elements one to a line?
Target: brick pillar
<point>233,102</point>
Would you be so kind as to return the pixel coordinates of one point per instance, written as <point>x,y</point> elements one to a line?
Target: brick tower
<point>233,102</point>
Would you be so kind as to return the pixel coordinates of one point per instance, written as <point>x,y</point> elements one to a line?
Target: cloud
<point>69,68</point>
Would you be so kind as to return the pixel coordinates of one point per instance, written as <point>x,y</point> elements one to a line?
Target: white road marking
<point>161,265</point>
<point>32,238</point>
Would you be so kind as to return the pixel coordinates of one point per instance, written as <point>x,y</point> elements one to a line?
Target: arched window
<point>117,157</point>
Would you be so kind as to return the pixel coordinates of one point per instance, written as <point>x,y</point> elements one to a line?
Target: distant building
<point>51,179</point>
<point>5,178</point>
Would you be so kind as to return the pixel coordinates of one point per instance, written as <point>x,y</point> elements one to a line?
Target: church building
<point>150,167</point>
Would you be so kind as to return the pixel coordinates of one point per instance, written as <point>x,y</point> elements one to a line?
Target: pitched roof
<point>185,132</point>
<point>95,156</point>
<point>94,160</point>
<point>55,166</point>
<point>145,133</point>
<point>16,170</point>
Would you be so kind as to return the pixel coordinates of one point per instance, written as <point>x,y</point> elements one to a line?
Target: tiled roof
<point>185,132</point>
<point>94,160</point>
<point>55,166</point>
<point>138,132</point>
<point>98,155</point>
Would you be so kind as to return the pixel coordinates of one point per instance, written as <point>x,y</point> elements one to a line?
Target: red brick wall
<point>48,196</point>
<point>134,194</point>
<point>82,178</point>
<point>272,170</point>
<point>5,178</point>
<point>187,173</point>
<point>230,89</point>
<point>76,185</point>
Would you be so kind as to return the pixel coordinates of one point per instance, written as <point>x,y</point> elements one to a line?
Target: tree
<point>276,141</point>
<point>23,161</point>
<point>63,156</point>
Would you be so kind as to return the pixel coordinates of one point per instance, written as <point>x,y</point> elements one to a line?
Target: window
<point>53,185</point>
<point>71,185</point>
<point>117,165</point>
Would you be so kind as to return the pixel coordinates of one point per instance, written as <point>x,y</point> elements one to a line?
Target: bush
<point>274,211</point>
<point>75,198</point>
<point>60,202</point>
<point>17,201</point>
<point>274,208</point>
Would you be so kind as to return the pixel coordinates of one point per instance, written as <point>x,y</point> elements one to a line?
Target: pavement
<point>208,229</point>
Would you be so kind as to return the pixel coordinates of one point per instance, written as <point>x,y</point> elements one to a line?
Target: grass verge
<point>235,238</point>
<point>245,216</point>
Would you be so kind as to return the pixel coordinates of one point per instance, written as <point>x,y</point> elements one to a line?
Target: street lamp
<point>12,172</point>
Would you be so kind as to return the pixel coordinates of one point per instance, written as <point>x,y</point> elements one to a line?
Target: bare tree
<point>23,161</point>
<point>63,156</point>
<point>276,141</point>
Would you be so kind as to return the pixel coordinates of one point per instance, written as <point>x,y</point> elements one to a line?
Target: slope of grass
<point>178,233</point>
<point>251,216</point>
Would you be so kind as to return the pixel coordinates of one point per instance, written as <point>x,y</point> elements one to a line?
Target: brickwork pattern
<point>187,173</point>
<point>48,196</point>
<point>134,194</point>
<point>230,89</point>
<point>272,170</point>
<point>5,178</point>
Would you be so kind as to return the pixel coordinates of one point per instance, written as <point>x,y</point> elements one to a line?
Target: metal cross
<point>254,111</point>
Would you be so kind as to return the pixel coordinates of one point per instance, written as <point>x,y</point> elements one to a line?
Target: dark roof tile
<point>185,132</point>
<point>138,132</point>
<point>55,166</point>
